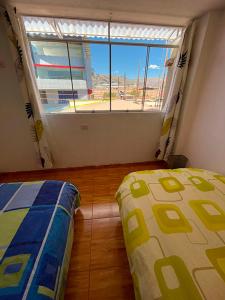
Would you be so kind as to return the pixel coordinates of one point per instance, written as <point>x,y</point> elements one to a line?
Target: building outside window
<point>54,69</point>
<point>98,66</point>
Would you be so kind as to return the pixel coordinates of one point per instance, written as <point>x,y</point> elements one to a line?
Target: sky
<point>127,60</point>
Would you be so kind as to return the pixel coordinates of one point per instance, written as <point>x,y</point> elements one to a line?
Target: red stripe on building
<point>60,66</point>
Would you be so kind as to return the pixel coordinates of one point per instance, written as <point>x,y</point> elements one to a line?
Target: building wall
<point>48,55</point>
<point>201,136</point>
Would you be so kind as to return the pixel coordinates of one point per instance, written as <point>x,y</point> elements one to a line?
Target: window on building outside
<point>83,66</point>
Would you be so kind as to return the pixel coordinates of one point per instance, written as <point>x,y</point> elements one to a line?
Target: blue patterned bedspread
<point>36,233</point>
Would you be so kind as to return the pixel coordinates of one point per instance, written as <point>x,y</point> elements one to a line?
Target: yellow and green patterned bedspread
<point>174,230</point>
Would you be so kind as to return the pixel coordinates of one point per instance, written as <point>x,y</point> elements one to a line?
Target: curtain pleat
<point>175,96</point>
<point>27,83</point>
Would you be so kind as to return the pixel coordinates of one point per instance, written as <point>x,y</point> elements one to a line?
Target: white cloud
<point>154,67</point>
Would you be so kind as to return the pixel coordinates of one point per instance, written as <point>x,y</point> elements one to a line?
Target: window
<point>128,68</point>
<point>94,91</point>
<point>89,66</point>
<point>43,96</point>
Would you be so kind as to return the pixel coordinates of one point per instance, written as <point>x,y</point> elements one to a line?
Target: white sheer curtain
<point>23,66</point>
<point>175,95</point>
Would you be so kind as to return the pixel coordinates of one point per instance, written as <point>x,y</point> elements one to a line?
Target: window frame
<point>110,43</point>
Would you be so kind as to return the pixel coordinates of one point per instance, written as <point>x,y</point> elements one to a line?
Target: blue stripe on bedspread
<point>48,193</point>
<point>36,218</point>
<point>7,190</point>
<point>52,256</point>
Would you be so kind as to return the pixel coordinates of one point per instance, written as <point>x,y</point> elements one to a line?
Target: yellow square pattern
<point>175,224</point>
<point>213,222</point>
<point>136,236</point>
<point>171,184</point>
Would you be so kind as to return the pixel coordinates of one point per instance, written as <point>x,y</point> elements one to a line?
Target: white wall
<point>110,138</point>
<point>173,12</point>
<point>123,137</point>
<point>16,147</point>
<point>99,139</point>
<point>201,136</point>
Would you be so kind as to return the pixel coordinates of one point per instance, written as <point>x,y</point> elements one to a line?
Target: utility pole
<point>146,76</point>
<point>124,85</point>
<point>138,79</point>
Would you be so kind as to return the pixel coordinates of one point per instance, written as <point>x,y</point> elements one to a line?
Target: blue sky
<point>127,59</point>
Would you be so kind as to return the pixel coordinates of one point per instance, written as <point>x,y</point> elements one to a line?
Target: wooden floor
<point>99,267</point>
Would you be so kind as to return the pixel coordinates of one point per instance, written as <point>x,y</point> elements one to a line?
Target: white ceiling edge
<point>98,14</point>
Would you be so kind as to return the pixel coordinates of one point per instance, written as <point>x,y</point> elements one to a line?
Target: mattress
<point>36,234</point>
<point>174,231</point>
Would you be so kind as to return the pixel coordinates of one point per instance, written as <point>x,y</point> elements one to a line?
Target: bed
<point>174,232</point>
<point>36,234</point>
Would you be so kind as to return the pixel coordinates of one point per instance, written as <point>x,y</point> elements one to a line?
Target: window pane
<point>128,64</point>
<point>157,80</point>
<point>90,73</point>
<point>52,72</point>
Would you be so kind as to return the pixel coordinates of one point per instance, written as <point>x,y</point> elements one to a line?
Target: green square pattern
<point>12,279</point>
<point>212,222</point>
<point>170,225</point>
<point>186,289</point>
<point>171,184</point>
<point>201,184</point>
<point>138,235</point>
<point>139,188</point>
<point>217,258</point>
